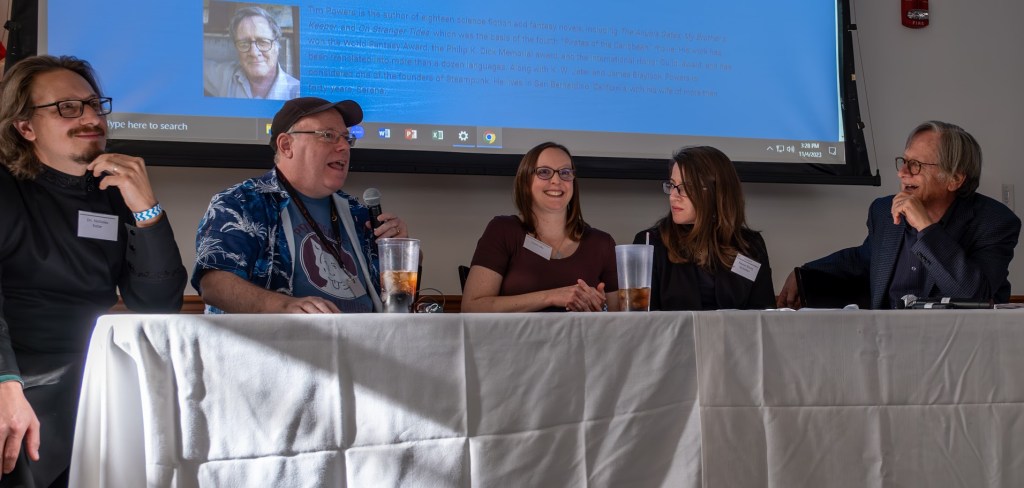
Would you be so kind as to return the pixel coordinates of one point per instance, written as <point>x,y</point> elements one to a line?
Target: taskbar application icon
<point>428,137</point>
<point>489,137</point>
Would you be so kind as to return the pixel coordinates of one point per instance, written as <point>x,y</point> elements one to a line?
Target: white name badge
<point>97,226</point>
<point>745,267</point>
<point>537,247</point>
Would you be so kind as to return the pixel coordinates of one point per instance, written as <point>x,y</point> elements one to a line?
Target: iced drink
<point>398,290</point>
<point>399,260</point>
<point>634,264</point>
<point>635,299</point>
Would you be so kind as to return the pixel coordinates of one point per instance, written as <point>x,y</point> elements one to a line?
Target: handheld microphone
<point>371,198</point>
<point>911,301</point>
<point>957,303</point>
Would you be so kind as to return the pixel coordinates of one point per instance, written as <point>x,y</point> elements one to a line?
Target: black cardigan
<point>675,286</point>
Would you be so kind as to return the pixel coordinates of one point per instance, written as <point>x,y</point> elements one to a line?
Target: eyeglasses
<point>262,43</point>
<point>913,165</point>
<point>73,109</point>
<point>329,136</point>
<point>667,187</point>
<point>546,173</point>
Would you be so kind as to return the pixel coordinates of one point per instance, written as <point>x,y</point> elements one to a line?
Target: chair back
<point>463,274</point>
<point>818,289</point>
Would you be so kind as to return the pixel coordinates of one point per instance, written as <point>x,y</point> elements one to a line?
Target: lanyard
<point>312,223</point>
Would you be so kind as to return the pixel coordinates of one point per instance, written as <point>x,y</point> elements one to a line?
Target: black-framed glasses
<point>546,173</point>
<point>73,109</point>
<point>913,165</point>
<point>329,136</point>
<point>667,187</point>
<point>262,43</point>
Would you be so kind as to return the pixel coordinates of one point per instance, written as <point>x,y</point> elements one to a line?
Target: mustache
<point>89,130</point>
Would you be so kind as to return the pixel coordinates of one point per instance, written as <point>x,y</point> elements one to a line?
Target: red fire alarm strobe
<point>914,13</point>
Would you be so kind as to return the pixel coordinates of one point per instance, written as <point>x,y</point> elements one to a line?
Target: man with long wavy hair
<point>79,225</point>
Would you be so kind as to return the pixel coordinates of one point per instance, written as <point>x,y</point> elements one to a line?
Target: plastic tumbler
<point>634,263</point>
<point>399,259</point>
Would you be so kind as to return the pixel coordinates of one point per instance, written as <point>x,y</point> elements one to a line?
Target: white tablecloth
<point>389,400</point>
<point>928,398</point>
<point>715,399</point>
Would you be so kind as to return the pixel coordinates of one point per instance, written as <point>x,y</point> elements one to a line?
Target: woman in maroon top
<point>546,258</point>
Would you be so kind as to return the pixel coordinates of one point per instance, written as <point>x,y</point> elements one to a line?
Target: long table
<point>713,399</point>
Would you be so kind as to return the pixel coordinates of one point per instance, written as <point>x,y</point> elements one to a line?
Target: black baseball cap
<point>297,108</point>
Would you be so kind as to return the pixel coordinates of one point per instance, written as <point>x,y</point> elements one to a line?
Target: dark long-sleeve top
<point>54,284</point>
<point>677,286</point>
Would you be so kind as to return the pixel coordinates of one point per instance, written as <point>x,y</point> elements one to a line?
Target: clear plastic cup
<point>635,264</point>
<point>399,260</point>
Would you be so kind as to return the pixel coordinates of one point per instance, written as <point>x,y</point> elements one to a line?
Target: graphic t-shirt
<point>317,273</point>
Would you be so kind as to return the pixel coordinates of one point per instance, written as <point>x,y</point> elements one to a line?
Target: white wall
<point>965,68</point>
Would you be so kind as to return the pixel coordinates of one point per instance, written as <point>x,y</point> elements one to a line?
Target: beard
<point>95,148</point>
<point>89,155</point>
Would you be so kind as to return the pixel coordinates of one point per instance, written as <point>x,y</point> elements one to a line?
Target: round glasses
<point>913,165</point>
<point>262,43</point>
<point>546,173</point>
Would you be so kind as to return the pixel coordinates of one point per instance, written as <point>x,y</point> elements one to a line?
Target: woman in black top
<point>705,257</point>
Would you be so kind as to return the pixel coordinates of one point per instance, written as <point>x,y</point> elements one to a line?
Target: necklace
<point>556,251</point>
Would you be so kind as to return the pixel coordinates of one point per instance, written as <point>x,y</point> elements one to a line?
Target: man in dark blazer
<point>937,236</point>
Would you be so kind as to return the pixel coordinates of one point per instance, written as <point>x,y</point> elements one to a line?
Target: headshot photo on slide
<point>250,50</point>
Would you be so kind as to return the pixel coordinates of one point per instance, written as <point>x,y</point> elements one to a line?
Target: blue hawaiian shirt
<point>242,233</point>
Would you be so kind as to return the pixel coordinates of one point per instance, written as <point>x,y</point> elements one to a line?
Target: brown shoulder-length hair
<point>574,224</point>
<point>713,187</point>
<point>17,153</point>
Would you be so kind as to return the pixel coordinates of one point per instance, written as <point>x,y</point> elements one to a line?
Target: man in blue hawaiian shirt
<point>291,241</point>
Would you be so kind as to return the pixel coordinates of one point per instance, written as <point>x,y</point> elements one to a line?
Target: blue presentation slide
<point>746,69</point>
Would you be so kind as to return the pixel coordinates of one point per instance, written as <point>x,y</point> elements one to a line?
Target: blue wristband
<point>11,377</point>
<point>151,213</point>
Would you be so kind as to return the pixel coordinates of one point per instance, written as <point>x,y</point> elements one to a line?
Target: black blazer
<point>967,254</point>
<point>674,286</point>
